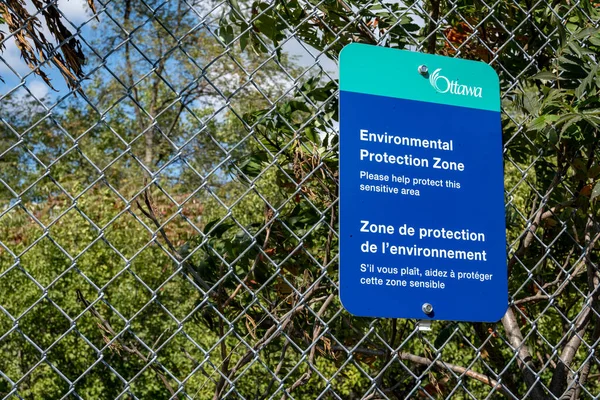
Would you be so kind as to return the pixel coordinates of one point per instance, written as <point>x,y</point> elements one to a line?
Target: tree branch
<point>128,347</point>
<point>495,356</point>
<point>524,359</point>
<point>530,231</point>
<point>440,365</point>
<point>559,378</point>
<point>316,331</point>
<point>432,26</point>
<point>562,285</point>
<point>273,332</point>
<point>152,216</point>
<point>585,371</point>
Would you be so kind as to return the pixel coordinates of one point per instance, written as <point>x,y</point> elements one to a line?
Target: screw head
<point>427,308</point>
<point>423,70</point>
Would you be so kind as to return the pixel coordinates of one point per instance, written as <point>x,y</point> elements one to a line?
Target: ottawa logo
<point>444,85</point>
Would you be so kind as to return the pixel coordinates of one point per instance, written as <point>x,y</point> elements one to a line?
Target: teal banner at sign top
<point>389,72</point>
<point>422,223</point>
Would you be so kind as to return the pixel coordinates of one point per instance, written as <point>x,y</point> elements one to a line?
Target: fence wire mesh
<point>168,179</point>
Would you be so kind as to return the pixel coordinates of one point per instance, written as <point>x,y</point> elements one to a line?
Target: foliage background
<point>168,219</point>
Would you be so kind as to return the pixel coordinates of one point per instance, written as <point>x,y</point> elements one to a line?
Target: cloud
<point>11,56</point>
<point>38,88</point>
<point>307,56</point>
<point>76,11</point>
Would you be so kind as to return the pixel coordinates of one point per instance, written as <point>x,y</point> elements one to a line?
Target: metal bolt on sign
<point>427,308</point>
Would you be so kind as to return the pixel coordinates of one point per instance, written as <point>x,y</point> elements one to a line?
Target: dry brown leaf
<point>36,50</point>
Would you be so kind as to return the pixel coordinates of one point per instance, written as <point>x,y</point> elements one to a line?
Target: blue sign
<point>422,223</point>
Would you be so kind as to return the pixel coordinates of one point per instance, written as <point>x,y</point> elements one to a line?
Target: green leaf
<point>245,29</point>
<point>225,32</point>
<point>218,230</point>
<point>573,66</point>
<point>552,135</point>
<point>244,40</point>
<point>208,226</point>
<point>545,75</point>
<point>253,165</point>
<point>594,171</point>
<point>591,111</point>
<point>312,135</point>
<point>587,82</point>
<point>582,34</point>
<point>543,121</point>
<point>444,335</point>
<point>579,164</point>
<point>234,4</point>
<point>562,34</point>
<point>568,120</point>
<point>595,40</point>
<point>577,49</point>
<point>531,101</point>
<point>595,191</point>
<point>298,106</point>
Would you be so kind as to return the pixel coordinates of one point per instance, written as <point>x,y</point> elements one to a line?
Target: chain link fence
<point>168,215</point>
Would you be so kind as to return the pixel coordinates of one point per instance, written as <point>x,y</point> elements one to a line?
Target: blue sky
<point>77,13</point>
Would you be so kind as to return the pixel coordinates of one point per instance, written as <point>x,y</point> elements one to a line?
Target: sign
<point>422,225</point>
